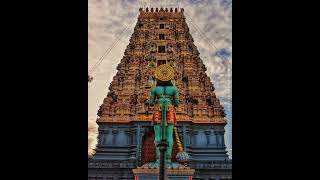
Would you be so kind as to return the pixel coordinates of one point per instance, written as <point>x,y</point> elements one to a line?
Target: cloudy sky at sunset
<point>210,23</point>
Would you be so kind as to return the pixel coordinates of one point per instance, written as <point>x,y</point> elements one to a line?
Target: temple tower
<point>161,36</point>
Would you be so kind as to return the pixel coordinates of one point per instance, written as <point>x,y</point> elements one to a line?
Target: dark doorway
<point>161,36</point>
<point>161,49</point>
<point>160,62</point>
<point>149,150</point>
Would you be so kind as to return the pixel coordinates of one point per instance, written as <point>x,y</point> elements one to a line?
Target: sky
<point>210,24</point>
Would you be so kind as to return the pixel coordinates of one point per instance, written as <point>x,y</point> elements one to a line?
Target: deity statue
<point>165,98</point>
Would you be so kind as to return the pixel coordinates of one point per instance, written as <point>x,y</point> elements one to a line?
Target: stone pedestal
<point>180,173</point>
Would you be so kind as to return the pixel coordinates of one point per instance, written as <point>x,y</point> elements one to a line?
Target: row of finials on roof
<point>161,10</point>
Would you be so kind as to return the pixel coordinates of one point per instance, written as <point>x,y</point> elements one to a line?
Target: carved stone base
<point>180,173</point>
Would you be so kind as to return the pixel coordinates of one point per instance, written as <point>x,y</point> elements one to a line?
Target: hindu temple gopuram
<point>126,133</point>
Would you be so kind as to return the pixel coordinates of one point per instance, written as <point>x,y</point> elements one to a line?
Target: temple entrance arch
<point>148,154</point>
<point>148,148</point>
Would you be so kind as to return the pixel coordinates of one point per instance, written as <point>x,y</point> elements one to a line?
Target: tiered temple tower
<point>161,36</point>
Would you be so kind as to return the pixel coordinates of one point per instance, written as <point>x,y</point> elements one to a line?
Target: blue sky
<point>210,24</point>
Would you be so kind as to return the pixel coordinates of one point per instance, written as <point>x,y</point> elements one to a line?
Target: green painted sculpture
<point>165,98</point>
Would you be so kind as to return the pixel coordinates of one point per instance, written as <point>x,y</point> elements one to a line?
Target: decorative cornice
<point>148,118</point>
<point>183,171</point>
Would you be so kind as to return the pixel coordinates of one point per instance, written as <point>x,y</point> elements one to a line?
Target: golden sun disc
<point>164,72</point>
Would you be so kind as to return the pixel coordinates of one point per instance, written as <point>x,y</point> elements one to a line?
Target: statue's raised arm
<point>152,96</point>
<point>176,97</point>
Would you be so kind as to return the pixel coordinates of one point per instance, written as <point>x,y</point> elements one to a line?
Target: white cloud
<point>92,136</point>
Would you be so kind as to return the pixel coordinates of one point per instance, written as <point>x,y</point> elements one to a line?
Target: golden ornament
<point>164,72</point>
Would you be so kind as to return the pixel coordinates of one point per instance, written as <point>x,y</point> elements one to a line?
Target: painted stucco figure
<point>165,98</point>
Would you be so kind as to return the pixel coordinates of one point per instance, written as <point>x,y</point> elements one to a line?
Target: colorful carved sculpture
<point>165,98</point>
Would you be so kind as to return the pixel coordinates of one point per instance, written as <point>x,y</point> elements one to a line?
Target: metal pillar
<point>162,169</point>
